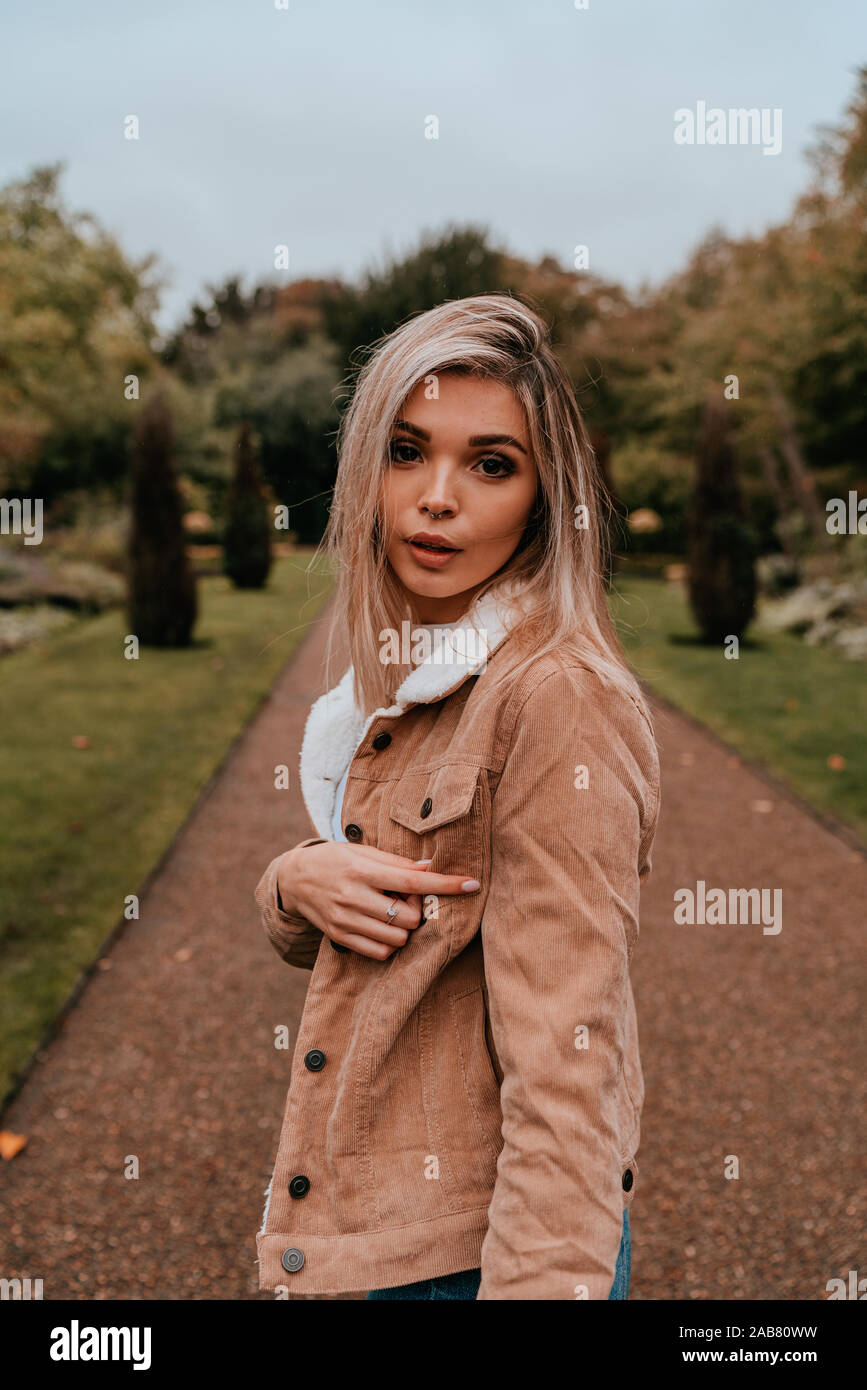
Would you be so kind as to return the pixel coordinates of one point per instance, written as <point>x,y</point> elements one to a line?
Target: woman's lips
<point>431,559</point>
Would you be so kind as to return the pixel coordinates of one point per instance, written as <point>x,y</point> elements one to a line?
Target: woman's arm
<point>293,937</point>
<point>347,891</point>
<point>572,821</point>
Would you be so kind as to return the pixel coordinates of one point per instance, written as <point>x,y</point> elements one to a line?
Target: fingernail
<point>423,863</point>
<point>470,885</point>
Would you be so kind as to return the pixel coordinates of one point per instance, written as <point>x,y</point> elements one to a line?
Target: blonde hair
<point>558,564</point>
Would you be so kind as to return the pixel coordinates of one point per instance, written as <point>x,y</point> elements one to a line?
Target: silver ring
<point>392,911</point>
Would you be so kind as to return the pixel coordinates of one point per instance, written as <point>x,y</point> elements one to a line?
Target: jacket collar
<point>335,726</point>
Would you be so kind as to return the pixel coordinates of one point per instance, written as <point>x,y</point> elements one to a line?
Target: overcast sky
<point>305,126</point>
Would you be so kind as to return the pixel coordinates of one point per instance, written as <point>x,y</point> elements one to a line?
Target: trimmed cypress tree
<point>247,535</point>
<point>720,546</point>
<point>162,602</point>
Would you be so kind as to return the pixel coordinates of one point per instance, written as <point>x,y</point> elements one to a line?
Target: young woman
<point>463,1112</point>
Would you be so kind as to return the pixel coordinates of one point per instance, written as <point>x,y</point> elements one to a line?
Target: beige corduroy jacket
<point>474,1100</point>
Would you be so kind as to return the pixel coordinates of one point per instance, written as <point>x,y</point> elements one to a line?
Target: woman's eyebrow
<point>496,439</point>
<point>474,439</point>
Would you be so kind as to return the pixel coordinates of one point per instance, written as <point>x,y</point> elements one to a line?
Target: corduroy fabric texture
<point>475,1100</point>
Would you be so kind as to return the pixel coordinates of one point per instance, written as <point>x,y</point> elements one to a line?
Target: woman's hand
<point>346,890</point>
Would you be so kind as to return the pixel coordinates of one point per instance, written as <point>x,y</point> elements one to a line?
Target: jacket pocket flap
<point>425,801</point>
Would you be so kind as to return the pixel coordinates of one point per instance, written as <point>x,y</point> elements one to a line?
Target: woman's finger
<point>391,878</point>
<point>364,945</point>
<point>374,905</point>
<point>375,927</point>
<point>388,935</point>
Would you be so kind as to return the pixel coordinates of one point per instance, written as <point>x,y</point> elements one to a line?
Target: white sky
<point>305,126</point>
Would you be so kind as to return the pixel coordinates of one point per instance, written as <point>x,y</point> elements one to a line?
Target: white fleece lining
<point>335,726</point>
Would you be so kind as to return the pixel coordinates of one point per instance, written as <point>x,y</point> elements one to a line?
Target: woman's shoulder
<point>561,678</point>
<point>560,692</point>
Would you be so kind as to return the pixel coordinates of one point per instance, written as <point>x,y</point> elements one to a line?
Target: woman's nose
<point>436,508</point>
<point>439,500</point>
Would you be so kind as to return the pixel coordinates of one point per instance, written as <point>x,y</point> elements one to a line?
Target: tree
<point>162,585</point>
<point>247,537</point>
<point>721,551</point>
<point>451,264</point>
<point>76,323</point>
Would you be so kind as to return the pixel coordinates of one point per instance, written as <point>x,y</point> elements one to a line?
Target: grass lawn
<point>782,703</point>
<point>81,828</point>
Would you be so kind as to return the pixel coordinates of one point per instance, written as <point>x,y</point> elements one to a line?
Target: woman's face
<point>466,458</point>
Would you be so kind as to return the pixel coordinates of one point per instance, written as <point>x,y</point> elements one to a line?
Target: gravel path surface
<point>749,1041</point>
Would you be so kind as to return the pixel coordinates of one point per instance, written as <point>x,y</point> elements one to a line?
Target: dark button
<point>381,741</point>
<point>314,1060</point>
<point>353,832</point>
<point>627,1180</point>
<point>292,1259</point>
<point>299,1187</point>
<point>336,947</point>
<point>426,807</point>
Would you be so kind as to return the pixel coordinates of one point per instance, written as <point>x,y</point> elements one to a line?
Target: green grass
<point>81,828</point>
<point>783,703</point>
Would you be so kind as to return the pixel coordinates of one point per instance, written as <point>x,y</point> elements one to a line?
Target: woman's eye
<point>401,451</point>
<point>398,444</point>
<point>499,462</point>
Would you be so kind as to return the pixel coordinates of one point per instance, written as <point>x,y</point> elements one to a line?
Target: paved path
<point>750,1046</point>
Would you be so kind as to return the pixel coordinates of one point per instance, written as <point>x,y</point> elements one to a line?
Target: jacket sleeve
<point>573,817</point>
<point>295,939</point>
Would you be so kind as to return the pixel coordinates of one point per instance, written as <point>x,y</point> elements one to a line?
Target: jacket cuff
<point>294,938</point>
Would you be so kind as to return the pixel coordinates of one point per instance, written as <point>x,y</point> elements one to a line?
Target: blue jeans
<point>466,1283</point>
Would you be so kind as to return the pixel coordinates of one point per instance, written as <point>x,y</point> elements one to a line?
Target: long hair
<point>558,563</point>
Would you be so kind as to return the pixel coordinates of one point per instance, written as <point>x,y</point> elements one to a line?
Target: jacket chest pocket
<point>444,816</point>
